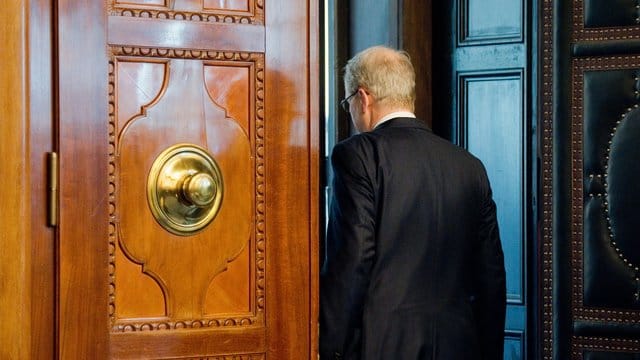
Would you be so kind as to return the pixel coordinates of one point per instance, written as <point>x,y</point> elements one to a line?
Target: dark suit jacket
<point>414,268</point>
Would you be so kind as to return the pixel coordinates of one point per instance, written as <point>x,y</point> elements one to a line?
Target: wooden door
<point>237,79</point>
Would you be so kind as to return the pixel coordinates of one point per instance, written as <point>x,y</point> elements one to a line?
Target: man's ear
<point>365,99</point>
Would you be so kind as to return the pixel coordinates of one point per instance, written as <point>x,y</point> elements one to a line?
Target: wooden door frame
<point>27,297</point>
<point>14,261</point>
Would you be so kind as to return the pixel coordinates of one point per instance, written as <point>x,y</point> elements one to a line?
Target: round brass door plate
<point>184,189</point>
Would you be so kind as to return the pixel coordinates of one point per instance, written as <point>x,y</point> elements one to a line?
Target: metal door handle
<point>184,189</point>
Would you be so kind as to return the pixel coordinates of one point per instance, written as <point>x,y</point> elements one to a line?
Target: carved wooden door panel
<point>161,255</point>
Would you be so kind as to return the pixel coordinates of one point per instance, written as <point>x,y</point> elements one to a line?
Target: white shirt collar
<point>393,115</point>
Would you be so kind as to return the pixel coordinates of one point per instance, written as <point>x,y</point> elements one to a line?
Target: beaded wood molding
<point>257,318</point>
<point>258,58</point>
<point>255,15</point>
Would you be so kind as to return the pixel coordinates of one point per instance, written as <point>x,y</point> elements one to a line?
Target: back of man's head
<point>385,73</point>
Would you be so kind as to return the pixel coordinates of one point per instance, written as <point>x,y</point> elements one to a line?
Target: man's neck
<point>391,114</point>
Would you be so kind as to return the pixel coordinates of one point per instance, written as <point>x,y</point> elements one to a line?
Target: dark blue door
<point>484,82</point>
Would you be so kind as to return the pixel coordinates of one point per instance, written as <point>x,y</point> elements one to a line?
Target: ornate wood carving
<point>93,42</point>
<point>254,62</point>
<point>181,10</point>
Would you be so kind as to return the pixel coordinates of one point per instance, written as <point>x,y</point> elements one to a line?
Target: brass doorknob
<point>184,189</point>
<point>199,189</point>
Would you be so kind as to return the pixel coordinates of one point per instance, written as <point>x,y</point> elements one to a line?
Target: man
<point>414,267</point>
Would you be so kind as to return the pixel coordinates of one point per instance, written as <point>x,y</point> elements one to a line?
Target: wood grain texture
<point>289,139</point>
<point>84,148</point>
<point>232,84</point>
<point>26,262</point>
<point>83,246</point>
<point>244,10</point>
<point>194,5</point>
<point>234,5</point>
<point>43,244</point>
<point>128,31</point>
<point>15,274</point>
<point>183,266</point>
<point>416,27</point>
<point>270,90</point>
<point>203,343</point>
<point>316,185</point>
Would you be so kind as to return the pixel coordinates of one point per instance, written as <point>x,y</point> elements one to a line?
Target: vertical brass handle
<point>184,189</point>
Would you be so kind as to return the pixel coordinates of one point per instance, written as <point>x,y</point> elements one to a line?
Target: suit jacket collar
<point>403,122</point>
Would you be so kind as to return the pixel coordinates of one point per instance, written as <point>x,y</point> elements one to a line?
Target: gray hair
<point>385,73</point>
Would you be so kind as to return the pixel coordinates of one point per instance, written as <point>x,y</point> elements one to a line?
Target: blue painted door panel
<point>485,69</point>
